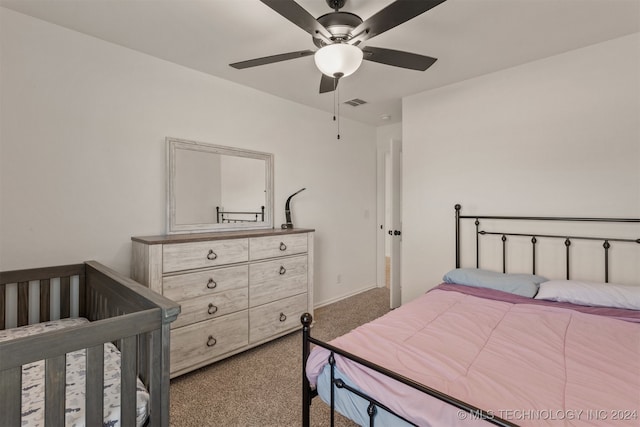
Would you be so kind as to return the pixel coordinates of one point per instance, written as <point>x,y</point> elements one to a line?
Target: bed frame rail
<point>308,393</point>
<point>121,311</point>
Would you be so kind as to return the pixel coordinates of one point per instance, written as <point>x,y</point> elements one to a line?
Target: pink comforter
<point>531,364</point>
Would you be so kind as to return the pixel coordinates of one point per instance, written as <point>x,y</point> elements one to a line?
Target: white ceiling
<point>469,38</point>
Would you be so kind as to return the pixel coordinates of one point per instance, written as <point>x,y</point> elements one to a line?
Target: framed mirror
<point>217,188</point>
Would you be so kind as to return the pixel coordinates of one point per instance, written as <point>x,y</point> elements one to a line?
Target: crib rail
<point>33,289</point>
<point>121,311</point>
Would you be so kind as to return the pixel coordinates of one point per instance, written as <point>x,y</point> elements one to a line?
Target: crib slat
<point>3,314</point>
<point>10,395</point>
<point>128,380</point>
<point>23,303</point>
<point>65,297</point>
<point>144,368</point>
<point>45,300</point>
<point>55,379</point>
<point>95,385</point>
<point>155,353</point>
<point>159,373</point>
<point>82,295</point>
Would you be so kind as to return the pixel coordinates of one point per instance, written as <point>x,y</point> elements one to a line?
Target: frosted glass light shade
<point>338,58</point>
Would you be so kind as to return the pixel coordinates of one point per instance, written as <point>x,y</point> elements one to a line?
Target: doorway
<point>389,227</point>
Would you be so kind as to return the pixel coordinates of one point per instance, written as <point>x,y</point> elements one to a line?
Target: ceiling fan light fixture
<point>338,59</point>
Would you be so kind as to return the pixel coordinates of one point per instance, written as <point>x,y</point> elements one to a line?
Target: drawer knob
<point>212,309</point>
<point>282,270</point>
<point>283,247</point>
<point>283,317</point>
<point>211,341</point>
<point>211,284</point>
<point>211,255</point>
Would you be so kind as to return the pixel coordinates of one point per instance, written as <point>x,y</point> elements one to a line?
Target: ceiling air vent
<point>355,102</point>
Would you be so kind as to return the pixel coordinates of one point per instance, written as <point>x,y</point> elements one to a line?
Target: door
<point>394,229</point>
<point>389,202</point>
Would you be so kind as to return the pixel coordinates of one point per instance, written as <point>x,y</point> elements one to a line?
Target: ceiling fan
<point>338,36</point>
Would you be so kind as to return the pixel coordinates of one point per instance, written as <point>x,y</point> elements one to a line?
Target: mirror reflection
<point>213,187</point>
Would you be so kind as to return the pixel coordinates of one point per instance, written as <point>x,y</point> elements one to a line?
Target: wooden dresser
<point>237,289</point>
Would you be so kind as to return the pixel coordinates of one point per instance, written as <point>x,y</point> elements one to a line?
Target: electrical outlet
<point>339,279</point>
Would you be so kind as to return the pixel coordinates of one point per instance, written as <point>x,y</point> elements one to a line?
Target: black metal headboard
<point>223,216</point>
<point>606,241</point>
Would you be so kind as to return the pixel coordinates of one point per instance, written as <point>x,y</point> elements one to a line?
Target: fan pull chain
<point>338,109</point>
<point>334,100</point>
<point>336,103</point>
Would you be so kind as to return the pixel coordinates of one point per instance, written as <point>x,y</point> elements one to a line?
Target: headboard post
<point>457,208</point>
<point>504,253</point>
<point>606,245</point>
<point>567,243</point>
<point>533,254</point>
<point>477,223</point>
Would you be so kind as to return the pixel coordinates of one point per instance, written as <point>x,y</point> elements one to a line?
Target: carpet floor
<point>262,387</point>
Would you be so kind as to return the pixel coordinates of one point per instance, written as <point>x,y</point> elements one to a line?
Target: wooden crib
<point>119,310</point>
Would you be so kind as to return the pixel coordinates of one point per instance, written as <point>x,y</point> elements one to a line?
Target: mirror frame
<point>174,144</point>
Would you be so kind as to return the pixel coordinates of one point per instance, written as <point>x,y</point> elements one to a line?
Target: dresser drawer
<point>203,341</point>
<point>211,306</point>
<point>276,317</point>
<point>277,279</point>
<point>192,285</point>
<point>276,246</point>
<point>193,255</point>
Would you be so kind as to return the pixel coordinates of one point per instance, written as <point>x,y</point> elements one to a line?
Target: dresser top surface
<point>218,235</point>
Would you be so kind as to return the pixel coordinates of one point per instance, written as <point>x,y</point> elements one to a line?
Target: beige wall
<point>82,154</point>
<point>559,136</point>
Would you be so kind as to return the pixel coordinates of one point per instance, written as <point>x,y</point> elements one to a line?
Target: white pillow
<point>591,293</point>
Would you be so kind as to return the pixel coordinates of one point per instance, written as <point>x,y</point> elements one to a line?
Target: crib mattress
<point>33,381</point>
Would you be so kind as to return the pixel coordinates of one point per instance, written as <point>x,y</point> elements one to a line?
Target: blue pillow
<point>525,285</point>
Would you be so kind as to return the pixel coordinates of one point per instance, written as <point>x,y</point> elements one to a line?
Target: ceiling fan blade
<point>398,58</point>
<point>271,59</point>
<point>328,84</point>
<point>391,16</point>
<point>295,13</point>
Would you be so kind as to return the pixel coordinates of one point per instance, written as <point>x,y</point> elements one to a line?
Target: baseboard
<point>340,298</point>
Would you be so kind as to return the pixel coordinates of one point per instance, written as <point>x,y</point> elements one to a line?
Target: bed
<point>491,347</point>
<point>83,345</point>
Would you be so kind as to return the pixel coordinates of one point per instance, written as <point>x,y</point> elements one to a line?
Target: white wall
<point>559,136</point>
<point>82,154</point>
